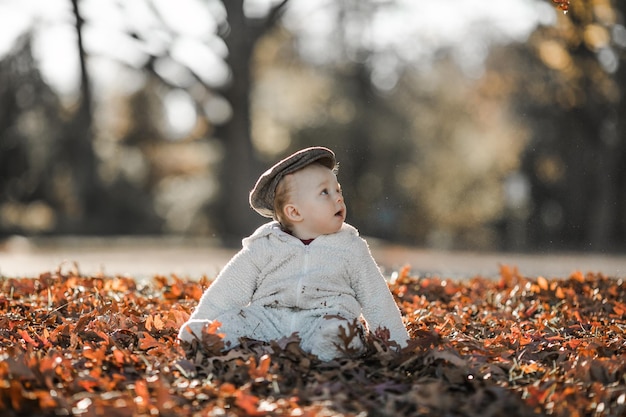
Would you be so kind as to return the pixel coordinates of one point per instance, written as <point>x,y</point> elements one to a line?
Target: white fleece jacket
<point>276,285</point>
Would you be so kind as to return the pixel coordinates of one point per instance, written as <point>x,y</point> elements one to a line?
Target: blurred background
<point>476,124</point>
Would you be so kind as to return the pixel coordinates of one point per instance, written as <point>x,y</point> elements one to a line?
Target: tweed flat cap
<point>263,193</point>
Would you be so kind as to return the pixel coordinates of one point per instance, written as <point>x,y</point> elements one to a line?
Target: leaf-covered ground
<point>514,346</point>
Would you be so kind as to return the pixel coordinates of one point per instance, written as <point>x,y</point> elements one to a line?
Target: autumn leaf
<point>147,342</point>
<point>154,322</point>
<point>562,4</point>
<point>619,308</point>
<point>259,372</point>
<point>543,283</point>
<point>97,355</point>
<point>248,403</point>
<point>529,368</point>
<point>89,384</point>
<point>78,344</point>
<point>26,337</point>
<point>559,293</point>
<point>178,318</point>
<point>119,357</point>
<point>143,395</point>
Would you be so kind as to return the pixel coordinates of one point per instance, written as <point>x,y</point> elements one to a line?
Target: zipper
<point>305,270</point>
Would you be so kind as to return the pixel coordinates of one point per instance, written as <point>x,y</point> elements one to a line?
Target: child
<point>306,272</point>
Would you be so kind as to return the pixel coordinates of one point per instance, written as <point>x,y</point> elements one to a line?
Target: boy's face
<point>317,196</point>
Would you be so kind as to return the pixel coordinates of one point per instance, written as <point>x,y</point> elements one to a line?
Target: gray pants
<point>319,332</point>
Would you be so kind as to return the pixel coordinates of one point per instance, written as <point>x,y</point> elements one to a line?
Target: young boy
<point>306,272</point>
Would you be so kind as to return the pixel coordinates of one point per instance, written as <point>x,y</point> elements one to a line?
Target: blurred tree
<point>240,166</point>
<point>417,163</point>
<point>467,146</point>
<point>84,210</point>
<point>338,105</point>
<point>48,169</point>
<point>572,95</point>
<point>420,163</point>
<point>59,174</point>
<point>372,140</point>
<point>29,129</point>
<point>77,152</point>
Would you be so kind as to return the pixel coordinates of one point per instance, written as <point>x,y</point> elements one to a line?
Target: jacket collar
<point>273,229</point>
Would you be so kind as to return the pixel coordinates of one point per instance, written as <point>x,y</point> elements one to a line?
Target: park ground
<point>144,257</point>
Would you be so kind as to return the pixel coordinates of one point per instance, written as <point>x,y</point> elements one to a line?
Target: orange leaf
<point>174,291</point>
<point>248,403</point>
<point>143,395</point>
<point>543,283</point>
<point>149,323</point>
<point>529,368</point>
<point>577,276</point>
<point>97,355</point>
<point>577,316</point>
<point>27,337</point>
<point>146,341</point>
<point>562,4</point>
<point>193,291</point>
<point>573,344</point>
<point>559,293</point>
<point>507,274</point>
<point>119,357</point>
<point>227,389</point>
<point>261,371</point>
<point>89,385</point>
<point>525,340</point>
<point>212,328</point>
<point>404,273</point>
<point>46,400</point>
<point>537,396</point>
<point>158,322</point>
<point>179,317</point>
<point>619,308</point>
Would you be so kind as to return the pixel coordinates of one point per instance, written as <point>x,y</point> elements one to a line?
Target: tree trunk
<point>77,150</point>
<point>240,166</point>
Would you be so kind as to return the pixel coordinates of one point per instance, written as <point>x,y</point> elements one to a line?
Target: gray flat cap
<point>262,195</point>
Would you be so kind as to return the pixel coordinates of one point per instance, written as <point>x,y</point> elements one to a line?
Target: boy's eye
<point>324,191</point>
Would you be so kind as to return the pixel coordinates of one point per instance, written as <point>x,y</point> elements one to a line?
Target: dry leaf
<point>519,346</point>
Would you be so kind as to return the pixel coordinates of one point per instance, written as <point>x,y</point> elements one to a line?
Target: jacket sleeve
<point>233,287</point>
<point>378,306</point>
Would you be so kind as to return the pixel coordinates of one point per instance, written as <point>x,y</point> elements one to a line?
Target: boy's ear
<point>292,213</point>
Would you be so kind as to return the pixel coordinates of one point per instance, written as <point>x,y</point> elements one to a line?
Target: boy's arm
<point>377,303</point>
<point>233,288</point>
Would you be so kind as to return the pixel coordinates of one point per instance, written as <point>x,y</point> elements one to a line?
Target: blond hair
<point>281,199</point>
